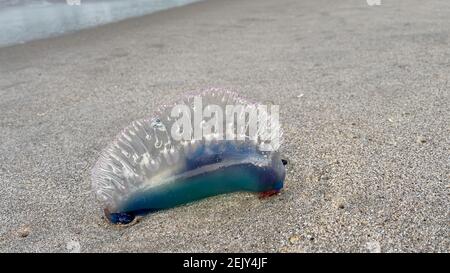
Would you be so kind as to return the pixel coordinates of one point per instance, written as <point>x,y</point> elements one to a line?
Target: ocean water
<point>25,20</point>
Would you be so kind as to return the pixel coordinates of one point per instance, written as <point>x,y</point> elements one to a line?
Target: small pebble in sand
<point>421,139</point>
<point>324,177</point>
<point>293,239</point>
<point>24,231</point>
<point>373,247</point>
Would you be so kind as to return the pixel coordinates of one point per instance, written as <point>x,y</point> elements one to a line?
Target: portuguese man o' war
<point>178,157</point>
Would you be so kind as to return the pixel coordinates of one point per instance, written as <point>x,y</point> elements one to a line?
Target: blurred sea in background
<point>25,20</point>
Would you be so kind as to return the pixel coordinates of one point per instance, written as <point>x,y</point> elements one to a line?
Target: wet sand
<point>364,99</point>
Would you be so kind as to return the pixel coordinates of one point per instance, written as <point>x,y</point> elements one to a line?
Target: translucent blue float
<point>145,169</point>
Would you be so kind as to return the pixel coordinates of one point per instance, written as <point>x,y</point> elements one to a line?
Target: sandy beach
<point>364,102</point>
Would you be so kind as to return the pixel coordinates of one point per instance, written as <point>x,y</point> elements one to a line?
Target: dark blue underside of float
<point>242,177</point>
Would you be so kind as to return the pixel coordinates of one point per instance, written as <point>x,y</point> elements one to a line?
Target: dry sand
<point>364,98</point>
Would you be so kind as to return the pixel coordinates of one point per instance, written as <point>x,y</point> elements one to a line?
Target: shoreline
<point>363,104</point>
<point>72,28</point>
<point>107,26</point>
